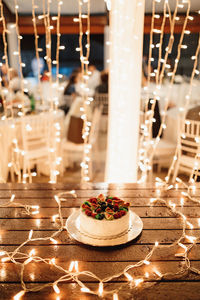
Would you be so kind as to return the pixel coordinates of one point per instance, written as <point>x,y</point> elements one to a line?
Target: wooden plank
<point>152,291</point>
<point>71,202</point>
<point>149,223</point>
<point>129,252</point>
<point>83,186</point>
<point>48,212</point>
<point>147,237</point>
<point>91,193</point>
<point>41,272</point>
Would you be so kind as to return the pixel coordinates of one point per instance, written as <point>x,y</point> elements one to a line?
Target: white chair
<point>1,176</point>
<point>165,149</point>
<point>164,153</point>
<point>73,152</point>
<point>36,142</point>
<point>188,148</point>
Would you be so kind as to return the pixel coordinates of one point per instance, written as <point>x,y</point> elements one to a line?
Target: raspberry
<point>88,212</point>
<point>98,210</point>
<point>109,200</point>
<point>116,207</point>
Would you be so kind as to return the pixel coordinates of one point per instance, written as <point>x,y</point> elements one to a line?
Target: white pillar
<point>12,46</point>
<point>126,36</point>
<point>106,47</point>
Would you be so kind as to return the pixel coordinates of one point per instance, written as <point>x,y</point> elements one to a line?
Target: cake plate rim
<point>135,228</point>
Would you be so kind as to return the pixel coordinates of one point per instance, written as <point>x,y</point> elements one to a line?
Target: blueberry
<point>110,206</point>
<point>101,216</point>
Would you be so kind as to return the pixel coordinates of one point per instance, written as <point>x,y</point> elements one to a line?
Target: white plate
<point>73,227</point>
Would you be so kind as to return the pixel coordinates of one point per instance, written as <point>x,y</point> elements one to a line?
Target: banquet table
<point>159,225</point>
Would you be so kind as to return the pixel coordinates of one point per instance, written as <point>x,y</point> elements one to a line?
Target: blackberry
<point>110,206</point>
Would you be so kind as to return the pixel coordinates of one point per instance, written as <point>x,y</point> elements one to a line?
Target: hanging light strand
<point>19,37</point>
<point>6,62</point>
<point>37,51</point>
<point>84,59</point>
<point>58,41</point>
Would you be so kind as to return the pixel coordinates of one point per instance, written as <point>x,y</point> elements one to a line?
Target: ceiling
<point>70,7</point>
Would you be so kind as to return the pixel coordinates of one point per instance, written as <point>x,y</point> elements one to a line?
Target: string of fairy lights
<point>181,247</point>
<point>17,151</point>
<point>34,7</point>
<point>148,145</point>
<point>86,99</point>
<point>18,53</point>
<point>5,58</point>
<point>184,243</point>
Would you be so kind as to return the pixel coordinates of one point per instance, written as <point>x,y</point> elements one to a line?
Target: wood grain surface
<point>159,225</point>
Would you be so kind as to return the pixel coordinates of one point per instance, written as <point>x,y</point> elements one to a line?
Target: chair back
<point>101,99</point>
<point>36,131</point>
<point>95,125</point>
<point>189,139</point>
<point>73,111</point>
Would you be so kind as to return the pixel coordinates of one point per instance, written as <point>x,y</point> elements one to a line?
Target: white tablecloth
<point>176,93</point>
<point>171,131</point>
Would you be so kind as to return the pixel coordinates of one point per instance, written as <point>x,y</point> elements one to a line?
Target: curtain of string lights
<point>147,143</point>
<point>181,246</point>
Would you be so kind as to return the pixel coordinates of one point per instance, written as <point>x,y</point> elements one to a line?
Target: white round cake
<point>104,216</point>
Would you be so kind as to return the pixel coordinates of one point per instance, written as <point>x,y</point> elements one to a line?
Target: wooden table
<point>159,225</point>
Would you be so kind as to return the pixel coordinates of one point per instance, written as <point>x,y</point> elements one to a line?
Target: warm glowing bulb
<point>152,200</point>
<point>52,261</point>
<point>12,198</point>
<point>54,217</point>
<point>53,240</point>
<point>71,266</point>
<point>128,276</point>
<point>4,259</point>
<point>85,290</point>
<point>115,296</point>
<point>56,289</point>
<point>35,212</point>
<point>32,252</point>
<point>76,266</point>
<point>138,281</point>
<point>57,199</point>
<point>192,239</point>
<point>19,295</point>
<point>182,246</point>
<point>157,272</point>
<point>28,260</point>
<point>30,234</point>
<point>190,225</point>
<point>182,201</point>
<point>35,206</point>
<point>100,291</point>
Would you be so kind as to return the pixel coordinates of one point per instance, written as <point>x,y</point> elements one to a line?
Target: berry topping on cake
<point>102,207</point>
